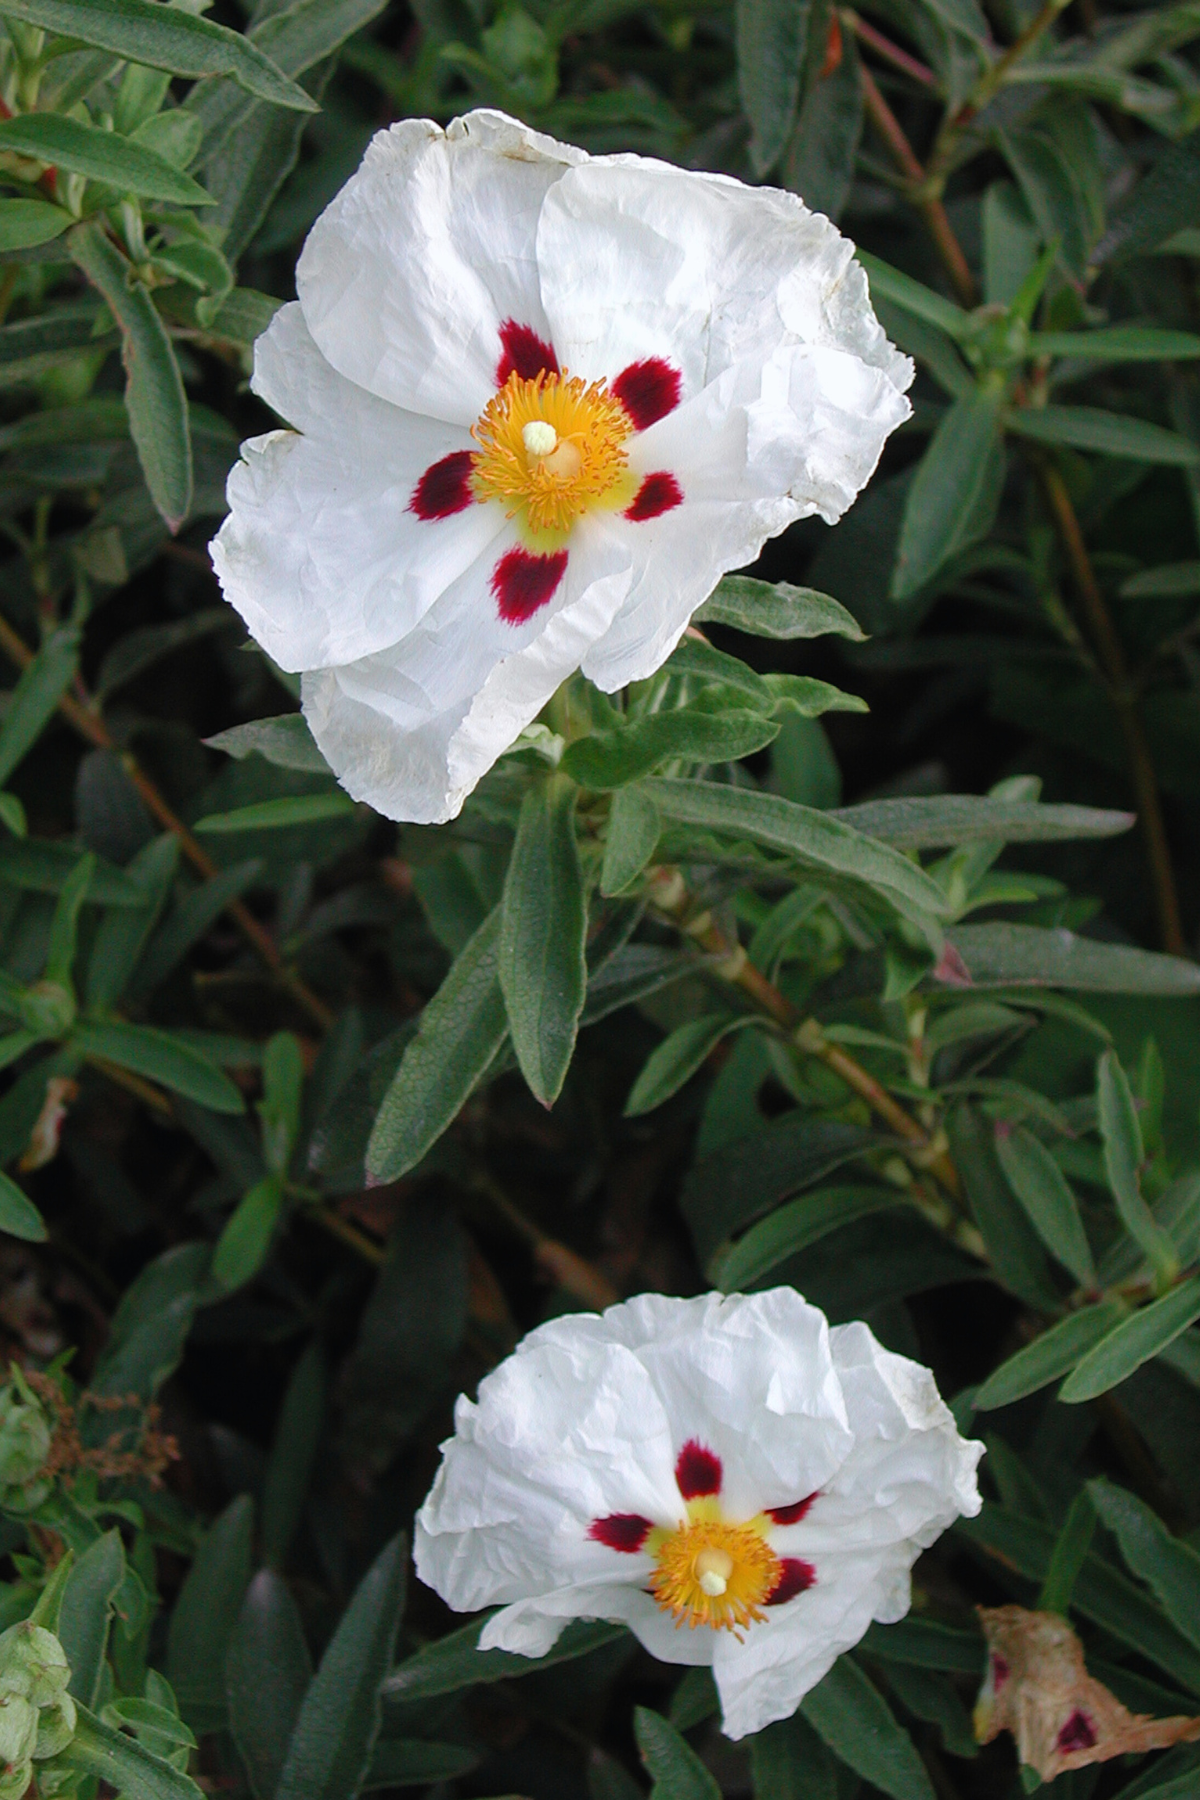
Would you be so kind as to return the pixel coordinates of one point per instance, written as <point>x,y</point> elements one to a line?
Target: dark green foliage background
<point>258,1007</point>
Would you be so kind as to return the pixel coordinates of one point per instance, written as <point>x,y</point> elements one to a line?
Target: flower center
<point>550,449</point>
<point>713,1573</point>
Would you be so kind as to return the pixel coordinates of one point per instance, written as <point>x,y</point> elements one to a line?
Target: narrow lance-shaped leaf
<point>771,36</point>
<point>267,1673</point>
<point>164,37</point>
<point>129,1767</point>
<point>104,156</point>
<point>35,697</point>
<point>1053,1354</point>
<point>159,1056</point>
<point>19,1217</point>
<point>776,609</point>
<point>338,1722</point>
<point>1171,1567</point>
<point>677,1771</point>
<point>613,759</point>
<point>541,964</point>
<point>632,834</point>
<point>1124,1154</point>
<point>1110,434</point>
<point>673,1062</point>
<point>1134,1342</point>
<point>205,1614</point>
<point>955,492</point>
<point>60,953</point>
<point>24,223</point>
<point>1045,1193</point>
<point>848,1712</point>
<point>460,1032</point>
<point>154,395</point>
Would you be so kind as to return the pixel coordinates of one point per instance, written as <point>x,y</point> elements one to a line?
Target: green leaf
<point>267,1673</point>
<point>892,284</point>
<point>1133,1342</point>
<point>1010,242</point>
<point>335,1732</point>
<point>154,394</point>
<point>1053,193</point>
<point>36,695</point>
<point>87,1605</point>
<point>283,1093</point>
<point>60,951</point>
<point>205,1614</point>
<point>154,1720</point>
<point>792,1228</point>
<point>19,1217</point>
<point>1017,1255</point>
<point>630,839</point>
<point>161,37</point>
<point>543,975</point>
<point>1112,434</point>
<point>1117,343</point>
<point>613,759</point>
<point>270,815</point>
<point>293,1453</point>
<point>151,1323</point>
<point>45,868</point>
<point>285,741</point>
<point>962,15</point>
<point>24,223</point>
<point>848,1712</point>
<point>141,649</point>
<point>1052,1354</point>
<point>927,822</point>
<point>770,37</point>
<point>927,1644</point>
<point>670,1761</point>
<point>1045,1193</point>
<point>246,1235</point>
<point>460,1032</point>
<point>1171,1568</point>
<point>135,1772</point>
<point>1121,1135</point>
<point>776,609</point>
<point>103,156</point>
<point>955,492</point>
<point>1165,199</point>
<point>820,160</point>
<point>123,930</point>
<point>416,1762</point>
<point>789,1762</point>
<point>160,1056</point>
<point>190,920</point>
<point>812,838</point>
<point>931,1697</point>
<point>1165,582</point>
<point>456,1661</point>
<point>1003,955</point>
<point>1071,1549</point>
<point>676,1059</point>
<point>698,658</point>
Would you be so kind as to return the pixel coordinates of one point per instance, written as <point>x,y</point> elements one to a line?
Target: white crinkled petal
<point>764,445</point>
<point>696,268</point>
<point>320,553</point>
<point>786,1655</point>
<point>409,272</point>
<point>412,729</point>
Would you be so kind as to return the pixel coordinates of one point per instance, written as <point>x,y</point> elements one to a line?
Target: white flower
<point>541,403</point>
<point>736,1482</point>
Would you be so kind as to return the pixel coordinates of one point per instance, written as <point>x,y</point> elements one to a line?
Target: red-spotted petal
<point>1077,1734</point>
<point>523,583</point>
<point>648,390</point>
<point>620,1531</point>
<point>795,1577</point>
<point>698,1471</point>
<point>523,353</point>
<point>658,493</point>
<point>791,1515</point>
<point>445,487</point>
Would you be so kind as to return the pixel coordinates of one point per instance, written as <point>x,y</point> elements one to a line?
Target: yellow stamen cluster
<point>550,449</point>
<point>713,1573</point>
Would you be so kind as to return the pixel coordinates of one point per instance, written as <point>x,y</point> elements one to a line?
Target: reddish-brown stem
<point>884,47</point>
<point>930,206</point>
<point>88,723</point>
<point>1110,653</point>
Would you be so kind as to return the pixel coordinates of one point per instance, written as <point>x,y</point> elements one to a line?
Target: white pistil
<point>539,437</point>
<point>713,1569</point>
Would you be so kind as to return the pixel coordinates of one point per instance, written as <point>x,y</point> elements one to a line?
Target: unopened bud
<point>15,1779</point>
<point>18,1729</point>
<point>48,1009</point>
<point>33,1664</point>
<point>55,1727</point>
<point>25,1434</point>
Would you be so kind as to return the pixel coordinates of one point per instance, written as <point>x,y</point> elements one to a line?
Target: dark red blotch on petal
<point>648,390</point>
<point>698,1471</point>
<point>1000,1672</point>
<point>1077,1734</point>
<point>522,582</point>
<point>658,494</point>
<point>523,353</point>
<point>445,487</point>
<point>620,1531</point>
<point>791,1515</point>
<point>795,1577</point>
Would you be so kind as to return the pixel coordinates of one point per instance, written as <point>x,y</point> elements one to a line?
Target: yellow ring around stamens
<point>713,1573</point>
<point>551,449</point>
